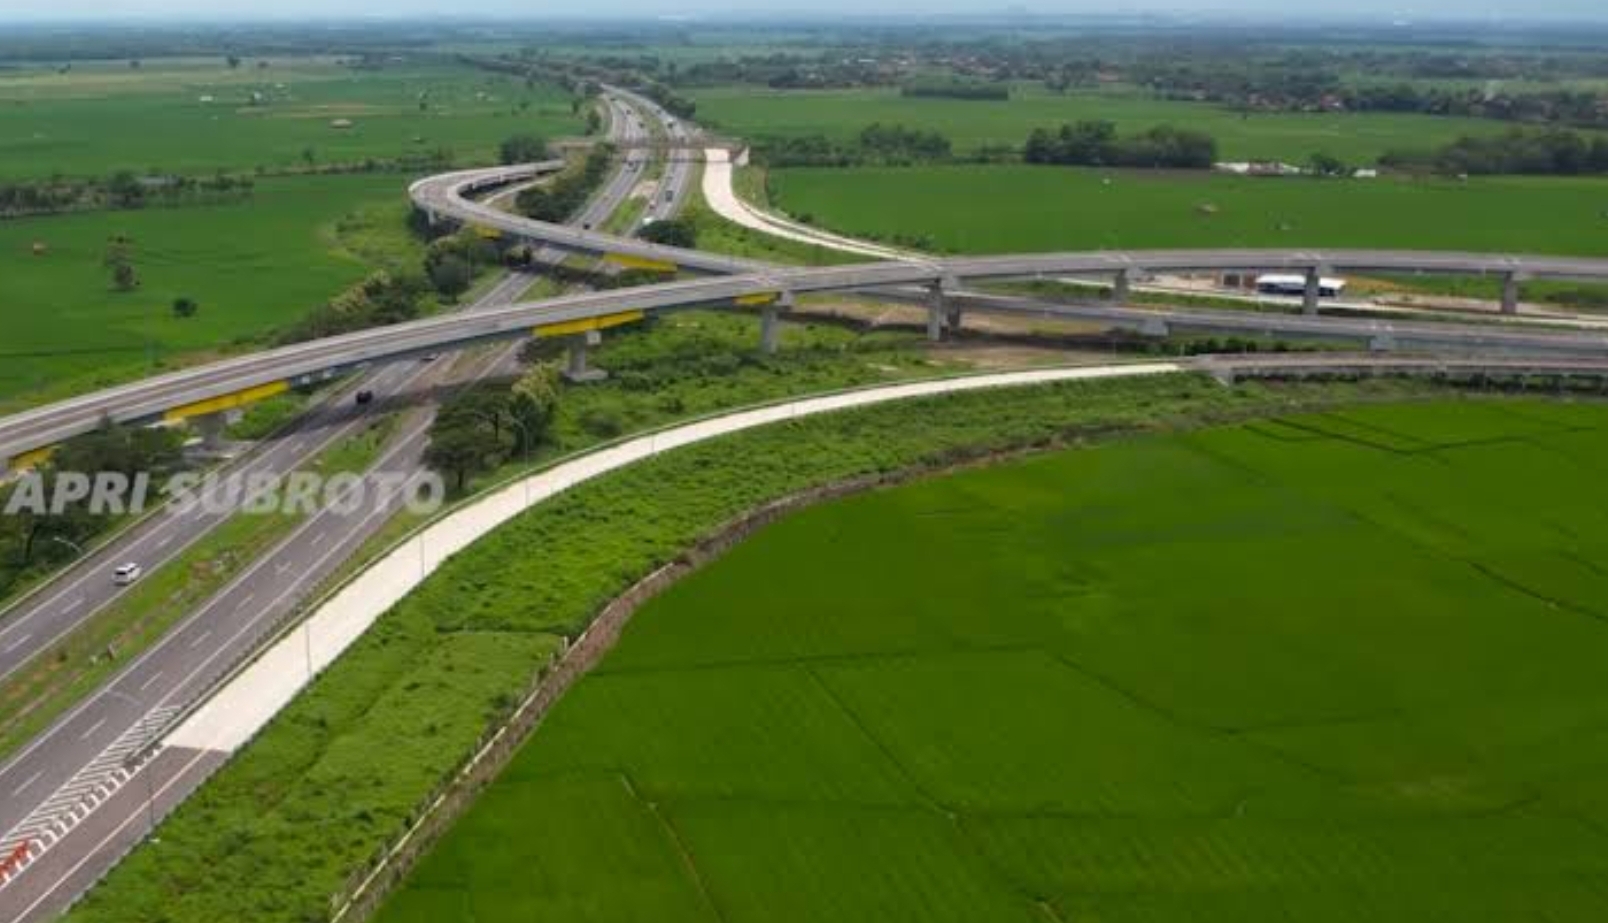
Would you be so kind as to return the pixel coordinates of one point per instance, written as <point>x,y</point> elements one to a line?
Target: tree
<point>456,447</point>
<point>233,61</point>
<point>1323,164</point>
<point>185,307</point>
<point>672,233</point>
<point>523,149</point>
<point>450,275</point>
<point>125,190</point>
<point>124,277</point>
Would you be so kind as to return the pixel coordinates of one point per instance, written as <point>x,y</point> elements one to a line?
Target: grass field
<point>105,116</point>
<point>1354,137</point>
<point>253,266</point>
<point>1335,667</point>
<point>1002,209</point>
<point>294,818</point>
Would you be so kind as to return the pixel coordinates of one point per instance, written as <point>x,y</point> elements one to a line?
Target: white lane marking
<point>319,538</point>
<point>154,677</point>
<point>166,541</point>
<point>93,728</point>
<point>24,786</point>
<point>200,638</point>
<point>18,643</point>
<point>133,816</point>
<point>245,602</point>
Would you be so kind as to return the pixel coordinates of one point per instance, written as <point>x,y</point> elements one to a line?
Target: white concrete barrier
<point>245,704</point>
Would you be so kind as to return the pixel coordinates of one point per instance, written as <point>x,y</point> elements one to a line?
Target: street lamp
<point>131,764</point>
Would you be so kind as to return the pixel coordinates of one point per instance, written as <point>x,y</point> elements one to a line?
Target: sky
<point>16,10</point>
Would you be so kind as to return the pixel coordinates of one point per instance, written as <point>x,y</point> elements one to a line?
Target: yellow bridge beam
<point>226,402</point>
<point>588,324</point>
<point>628,261</point>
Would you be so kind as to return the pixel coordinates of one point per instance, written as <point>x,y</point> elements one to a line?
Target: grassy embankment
<point>290,821</point>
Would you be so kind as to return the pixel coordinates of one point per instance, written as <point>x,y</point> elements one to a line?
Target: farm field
<point>106,116</point>
<point>1327,667</point>
<point>252,265</point>
<point>1003,209</point>
<point>752,112</point>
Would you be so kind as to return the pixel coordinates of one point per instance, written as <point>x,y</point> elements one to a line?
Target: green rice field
<point>1354,137</point>
<point>253,266</point>
<point>196,115</point>
<point>1004,209</point>
<point>1336,667</point>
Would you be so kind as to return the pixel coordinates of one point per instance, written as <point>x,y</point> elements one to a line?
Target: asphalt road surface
<point>70,794</point>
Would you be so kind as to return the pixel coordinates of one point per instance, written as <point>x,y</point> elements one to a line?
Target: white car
<point>126,574</point>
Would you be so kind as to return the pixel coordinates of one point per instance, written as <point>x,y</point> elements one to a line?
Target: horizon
<point>241,12</point>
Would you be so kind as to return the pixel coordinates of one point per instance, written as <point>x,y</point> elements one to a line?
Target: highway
<point>82,756</point>
<point>319,360</point>
<point>66,789</point>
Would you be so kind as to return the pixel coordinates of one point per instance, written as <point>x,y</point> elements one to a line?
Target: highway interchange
<point>51,778</point>
<point>67,766</point>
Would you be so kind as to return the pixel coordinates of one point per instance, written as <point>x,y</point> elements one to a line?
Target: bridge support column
<point>1510,292</point>
<point>578,370</point>
<point>770,322</point>
<point>1121,288</point>
<point>941,311</point>
<point>936,303</point>
<point>1313,291</point>
<point>210,427</point>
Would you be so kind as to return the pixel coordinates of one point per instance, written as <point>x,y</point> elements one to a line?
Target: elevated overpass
<point>726,281</point>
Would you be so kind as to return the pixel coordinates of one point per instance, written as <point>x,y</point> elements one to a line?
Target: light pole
<point>131,764</point>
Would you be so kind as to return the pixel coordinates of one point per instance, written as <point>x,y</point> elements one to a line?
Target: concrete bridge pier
<point>770,322</point>
<point>942,312</point>
<point>936,304</point>
<point>578,371</point>
<point>210,427</point>
<point>1122,288</point>
<point>1313,292</point>
<point>1510,292</point>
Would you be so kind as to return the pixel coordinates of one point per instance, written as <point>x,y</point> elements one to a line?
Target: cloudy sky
<point>279,9</point>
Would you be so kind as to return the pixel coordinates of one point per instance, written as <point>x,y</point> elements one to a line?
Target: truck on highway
<point>1295,286</point>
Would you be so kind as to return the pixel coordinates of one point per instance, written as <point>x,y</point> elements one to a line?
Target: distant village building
<point>1258,168</point>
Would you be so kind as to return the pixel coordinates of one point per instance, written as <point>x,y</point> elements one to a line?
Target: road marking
<point>200,638</point>
<point>95,727</point>
<point>18,643</point>
<point>245,602</point>
<point>73,605</point>
<point>134,815</point>
<point>24,786</point>
<point>154,677</point>
<point>319,538</point>
<point>166,541</point>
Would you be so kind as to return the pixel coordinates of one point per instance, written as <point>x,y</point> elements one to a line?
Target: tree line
<point>120,190</point>
<point>1518,151</point>
<point>876,144</point>
<point>566,194</point>
<point>1097,144</point>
